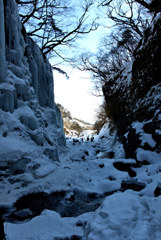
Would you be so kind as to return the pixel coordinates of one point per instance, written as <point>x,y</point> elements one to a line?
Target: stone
<point>132,184</point>
<point>157,191</point>
<point>101,165</point>
<point>125,167</point>
<point>149,127</point>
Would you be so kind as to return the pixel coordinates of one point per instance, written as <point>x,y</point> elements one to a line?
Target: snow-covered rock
<point>125,216</point>
<point>133,95</point>
<point>90,174</point>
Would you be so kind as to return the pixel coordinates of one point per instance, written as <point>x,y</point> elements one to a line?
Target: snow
<point>144,137</point>
<point>8,146</point>
<point>147,138</point>
<point>126,216</point>
<point>34,158</point>
<point>138,126</point>
<point>49,225</point>
<point>27,117</point>
<point>123,215</point>
<point>151,157</point>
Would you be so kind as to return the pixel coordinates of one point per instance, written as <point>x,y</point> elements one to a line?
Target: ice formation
<point>31,126</point>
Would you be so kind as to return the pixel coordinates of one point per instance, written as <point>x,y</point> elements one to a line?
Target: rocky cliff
<point>133,95</point>
<point>31,127</point>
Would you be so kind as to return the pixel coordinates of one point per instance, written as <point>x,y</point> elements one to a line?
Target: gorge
<point>105,187</point>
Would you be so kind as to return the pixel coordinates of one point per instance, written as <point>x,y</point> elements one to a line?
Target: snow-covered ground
<point>86,190</point>
<point>121,214</point>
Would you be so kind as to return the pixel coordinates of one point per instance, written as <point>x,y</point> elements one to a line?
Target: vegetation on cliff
<point>73,126</point>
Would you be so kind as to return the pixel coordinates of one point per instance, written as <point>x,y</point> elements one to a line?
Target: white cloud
<point>74,94</point>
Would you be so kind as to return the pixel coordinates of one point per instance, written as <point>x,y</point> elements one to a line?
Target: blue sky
<point>75,93</point>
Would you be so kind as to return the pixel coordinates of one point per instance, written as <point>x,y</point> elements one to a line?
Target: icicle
<point>2,45</point>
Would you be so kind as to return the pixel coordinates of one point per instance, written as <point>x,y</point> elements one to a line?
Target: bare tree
<point>101,116</point>
<point>52,23</point>
<point>129,14</point>
<point>151,5</point>
<point>99,67</point>
<point>129,20</point>
<point>116,49</point>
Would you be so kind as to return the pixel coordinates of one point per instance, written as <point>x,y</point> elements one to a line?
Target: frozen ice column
<point>2,44</point>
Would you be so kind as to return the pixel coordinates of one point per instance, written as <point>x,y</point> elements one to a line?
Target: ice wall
<point>42,77</point>
<point>2,44</point>
<point>30,123</point>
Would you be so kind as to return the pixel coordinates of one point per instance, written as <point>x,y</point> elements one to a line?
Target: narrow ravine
<point>77,201</point>
<point>98,187</point>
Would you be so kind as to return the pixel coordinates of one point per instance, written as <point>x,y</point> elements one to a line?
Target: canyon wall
<point>30,122</point>
<point>133,95</point>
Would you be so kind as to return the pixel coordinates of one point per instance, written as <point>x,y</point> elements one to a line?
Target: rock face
<point>30,123</point>
<point>133,95</point>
